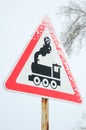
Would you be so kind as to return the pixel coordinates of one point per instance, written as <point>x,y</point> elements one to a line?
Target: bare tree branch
<point>75,15</point>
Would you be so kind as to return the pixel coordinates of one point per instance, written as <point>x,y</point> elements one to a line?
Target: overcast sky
<point>18,21</point>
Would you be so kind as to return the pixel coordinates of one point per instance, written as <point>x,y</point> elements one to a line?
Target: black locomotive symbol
<point>42,73</point>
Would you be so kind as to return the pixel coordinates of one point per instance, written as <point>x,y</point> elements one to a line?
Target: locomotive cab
<point>56,71</point>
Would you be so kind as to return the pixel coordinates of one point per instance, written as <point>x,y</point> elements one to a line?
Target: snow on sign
<point>43,69</point>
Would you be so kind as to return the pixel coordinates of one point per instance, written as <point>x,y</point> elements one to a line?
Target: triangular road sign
<point>43,69</point>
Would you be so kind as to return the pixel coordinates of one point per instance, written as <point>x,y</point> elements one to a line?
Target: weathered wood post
<point>45,114</point>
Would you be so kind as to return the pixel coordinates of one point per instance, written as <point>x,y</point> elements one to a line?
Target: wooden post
<point>45,114</point>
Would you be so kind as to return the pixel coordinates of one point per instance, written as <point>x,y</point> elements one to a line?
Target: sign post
<point>45,114</point>
<point>43,70</point>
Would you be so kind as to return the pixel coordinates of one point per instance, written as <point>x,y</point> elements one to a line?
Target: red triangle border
<point>13,85</point>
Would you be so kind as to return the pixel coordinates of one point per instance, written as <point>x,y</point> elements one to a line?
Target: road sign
<point>43,69</point>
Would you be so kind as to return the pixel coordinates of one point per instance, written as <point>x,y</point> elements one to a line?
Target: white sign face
<point>43,68</point>
<point>47,60</point>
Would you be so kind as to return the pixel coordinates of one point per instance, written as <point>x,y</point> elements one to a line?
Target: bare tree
<point>74,35</point>
<point>75,31</point>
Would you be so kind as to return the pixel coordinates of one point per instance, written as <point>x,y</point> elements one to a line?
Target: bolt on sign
<point>43,69</point>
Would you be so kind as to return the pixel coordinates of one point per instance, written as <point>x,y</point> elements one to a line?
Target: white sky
<point>18,20</point>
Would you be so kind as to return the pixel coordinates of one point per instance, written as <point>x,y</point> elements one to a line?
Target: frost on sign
<point>43,69</point>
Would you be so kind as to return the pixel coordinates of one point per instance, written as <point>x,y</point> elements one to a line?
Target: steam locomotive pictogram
<point>45,74</point>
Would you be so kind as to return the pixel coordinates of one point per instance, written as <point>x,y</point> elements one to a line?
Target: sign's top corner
<point>46,19</point>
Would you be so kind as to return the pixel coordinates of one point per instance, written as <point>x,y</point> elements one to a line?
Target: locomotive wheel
<point>37,80</point>
<point>45,82</point>
<point>53,84</point>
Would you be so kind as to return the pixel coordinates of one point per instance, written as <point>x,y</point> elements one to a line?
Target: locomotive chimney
<point>46,49</point>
